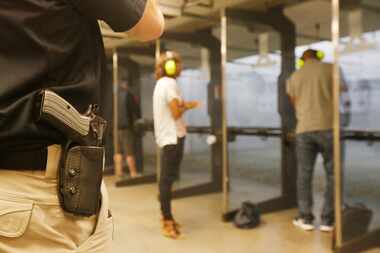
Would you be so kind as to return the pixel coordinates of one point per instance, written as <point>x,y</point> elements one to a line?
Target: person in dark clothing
<point>129,111</point>
<point>55,45</point>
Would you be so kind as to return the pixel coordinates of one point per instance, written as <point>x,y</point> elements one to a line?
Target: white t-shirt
<point>166,129</point>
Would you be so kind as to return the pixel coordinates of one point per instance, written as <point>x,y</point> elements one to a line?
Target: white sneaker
<point>304,223</point>
<point>327,225</point>
<point>326,228</point>
<point>136,175</point>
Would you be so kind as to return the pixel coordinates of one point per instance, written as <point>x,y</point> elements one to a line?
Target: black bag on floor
<point>355,221</point>
<point>248,216</point>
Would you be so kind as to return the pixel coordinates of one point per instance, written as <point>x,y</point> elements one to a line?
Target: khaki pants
<point>31,219</point>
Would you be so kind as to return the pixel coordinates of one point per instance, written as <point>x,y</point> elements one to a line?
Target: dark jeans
<point>308,146</point>
<point>170,164</point>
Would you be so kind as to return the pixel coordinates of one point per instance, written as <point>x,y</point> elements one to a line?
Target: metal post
<point>158,50</point>
<point>223,98</point>
<point>336,93</point>
<point>158,150</point>
<point>115,71</point>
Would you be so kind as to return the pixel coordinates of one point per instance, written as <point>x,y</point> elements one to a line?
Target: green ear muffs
<point>319,54</point>
<point>170,67</point>
<point>300,63</point>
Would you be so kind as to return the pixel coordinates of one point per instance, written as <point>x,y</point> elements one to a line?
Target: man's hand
<point>179,107</point>
<point>192,105</point>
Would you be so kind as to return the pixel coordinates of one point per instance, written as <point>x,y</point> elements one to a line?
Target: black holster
<point>82,162</point>
<point>80,178</point>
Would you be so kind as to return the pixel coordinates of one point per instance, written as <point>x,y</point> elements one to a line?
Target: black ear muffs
<point>170,66</point>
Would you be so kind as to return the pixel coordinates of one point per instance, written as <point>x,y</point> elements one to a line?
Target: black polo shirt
<point>129,110</point>
<point>53,44</point>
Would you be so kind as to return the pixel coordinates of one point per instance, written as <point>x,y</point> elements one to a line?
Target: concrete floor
<point>137,227</point>
<point>254,176</point>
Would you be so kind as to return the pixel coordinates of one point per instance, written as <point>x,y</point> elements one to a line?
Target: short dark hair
<point>309,53</point>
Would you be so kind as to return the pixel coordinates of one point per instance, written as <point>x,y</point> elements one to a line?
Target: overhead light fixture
<point>172,9</point>
<point>177,8</point>
<point>357,42</point>
<point>205,64</point>
<point>264,59</point>
<point>200,3</point>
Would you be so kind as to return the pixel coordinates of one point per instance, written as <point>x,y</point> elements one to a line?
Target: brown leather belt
<point>24,159</point>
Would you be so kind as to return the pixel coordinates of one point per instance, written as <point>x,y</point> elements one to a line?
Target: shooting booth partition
<point>277,21</point>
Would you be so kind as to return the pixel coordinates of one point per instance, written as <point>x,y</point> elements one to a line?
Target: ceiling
<point>312,19</point>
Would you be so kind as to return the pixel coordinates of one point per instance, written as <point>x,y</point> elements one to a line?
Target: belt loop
<point>53,158</point>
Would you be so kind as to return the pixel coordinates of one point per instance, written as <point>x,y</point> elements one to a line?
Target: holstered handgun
<point>81,167</point>
<point>80,178</point>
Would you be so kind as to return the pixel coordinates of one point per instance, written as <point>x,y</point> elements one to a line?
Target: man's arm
<point>290,93</point>
<point>343,83</point>
<point>292,100</point>
<point>141,19</point>
<point>151,25</point>
<point>178,107</point>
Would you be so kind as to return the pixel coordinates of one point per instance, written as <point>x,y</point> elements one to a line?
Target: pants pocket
<point>14,217</point>
<point>100,241</point>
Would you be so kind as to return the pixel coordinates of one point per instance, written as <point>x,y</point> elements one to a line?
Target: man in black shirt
<point>129,111</point>
<point>56,45</point>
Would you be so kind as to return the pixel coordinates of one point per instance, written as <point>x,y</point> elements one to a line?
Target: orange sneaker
<point>170,229</point>
<point>175,222</point>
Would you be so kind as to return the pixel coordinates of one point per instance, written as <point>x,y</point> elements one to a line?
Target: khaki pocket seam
<point>25,209</point>
<point>106,222</point>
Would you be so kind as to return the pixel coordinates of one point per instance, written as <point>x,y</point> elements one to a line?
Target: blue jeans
<point>308,146</point>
